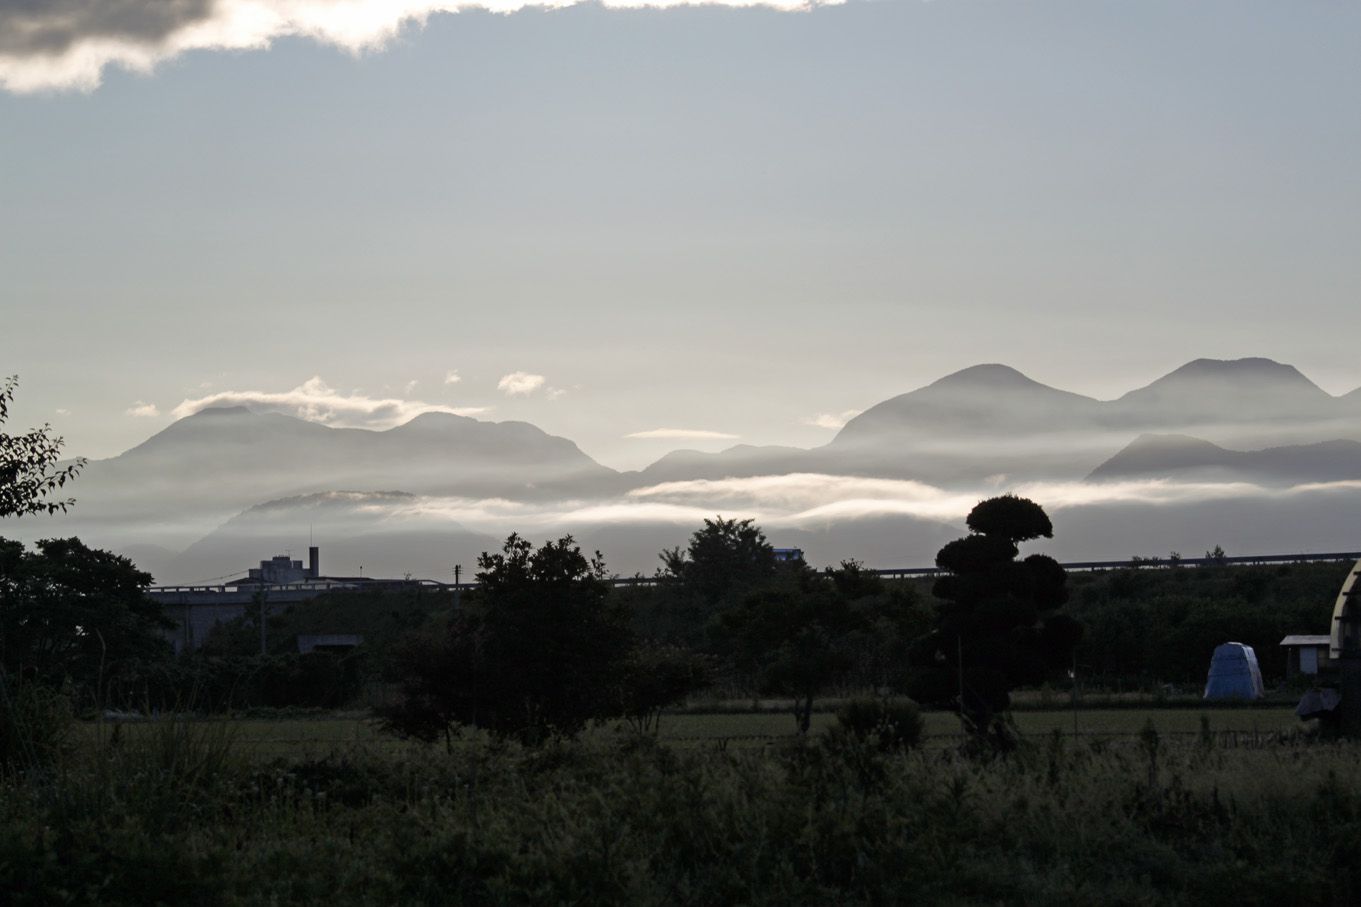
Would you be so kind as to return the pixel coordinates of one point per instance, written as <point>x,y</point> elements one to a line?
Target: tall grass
<point>170,814</point>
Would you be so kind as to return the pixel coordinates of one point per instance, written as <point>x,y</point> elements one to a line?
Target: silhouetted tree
<point>997,627</point>
<point>539,650</point>
<point>28,465</point>
<point>888,617</point>
<point>73,613</point>
<point>657,676</point>
<point>724,556</point>
<point>791,641</point>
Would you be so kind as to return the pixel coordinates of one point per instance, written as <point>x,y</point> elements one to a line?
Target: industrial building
<point>280,580</point>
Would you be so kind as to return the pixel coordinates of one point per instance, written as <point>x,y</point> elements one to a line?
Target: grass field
<point>316,737</point>
<point>328,809</point>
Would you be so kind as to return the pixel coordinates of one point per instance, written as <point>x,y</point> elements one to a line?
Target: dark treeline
<point>73,618</point>
<point>1149,627</point>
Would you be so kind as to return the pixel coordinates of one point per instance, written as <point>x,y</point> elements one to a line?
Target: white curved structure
<point>1347,614</point>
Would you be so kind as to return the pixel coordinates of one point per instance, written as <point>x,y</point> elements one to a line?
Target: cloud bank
<point>815,501</point>
<point>812,497</point>
<point>68,44</point>
<point>682,434</point>
<point>315,401</point>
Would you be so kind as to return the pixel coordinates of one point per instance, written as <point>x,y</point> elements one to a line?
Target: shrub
<point>35,721</point>
<point>892,724</point>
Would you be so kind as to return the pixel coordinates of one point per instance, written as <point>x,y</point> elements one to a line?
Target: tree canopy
<point>791,641</point>
<point>73,613</point>
<point>998,626</point>
<point>29,474</point>
<point>539,650</point>
<point>724,556</point>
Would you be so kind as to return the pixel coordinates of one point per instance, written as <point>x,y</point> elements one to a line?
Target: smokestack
<point>313,561</point>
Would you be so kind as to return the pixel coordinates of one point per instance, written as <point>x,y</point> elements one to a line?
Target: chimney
<point>313,561</point>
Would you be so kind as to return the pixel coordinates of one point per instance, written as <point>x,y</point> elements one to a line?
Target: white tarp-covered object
<point>1234,673</point>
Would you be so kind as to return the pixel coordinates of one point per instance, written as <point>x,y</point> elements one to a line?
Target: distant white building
<point>788,554</point>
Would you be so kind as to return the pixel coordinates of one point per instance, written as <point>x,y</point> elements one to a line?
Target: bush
<point>35,722</point>
<point>892,724</point>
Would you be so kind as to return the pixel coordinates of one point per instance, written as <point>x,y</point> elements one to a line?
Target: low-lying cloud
<point>68,44</point>
<point>833,421</point>
<point>520,384</point>
<point>316,401</point>
<point>812,497</point>
<point>800,501</point>
<point>141,410</point>
<point>681,434</point>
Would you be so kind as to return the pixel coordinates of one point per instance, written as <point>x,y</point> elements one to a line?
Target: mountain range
<point>218,484</point>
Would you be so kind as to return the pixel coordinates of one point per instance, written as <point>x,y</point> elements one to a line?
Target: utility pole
<point>458,586</point>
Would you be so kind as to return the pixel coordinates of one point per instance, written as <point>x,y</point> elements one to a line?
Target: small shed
<point>1306,654</point>
<point>1234,673</point>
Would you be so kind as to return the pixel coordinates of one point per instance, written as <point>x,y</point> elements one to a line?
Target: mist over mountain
<point>983,421</point>
<point>991,420</point>
<point>1241,402</point>
<point>439,489</point>
<point>360,533</point>
<point>739,460</point>
<point>202,469</point>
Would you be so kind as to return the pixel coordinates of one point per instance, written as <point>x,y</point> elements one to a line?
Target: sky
<point>649,228</point>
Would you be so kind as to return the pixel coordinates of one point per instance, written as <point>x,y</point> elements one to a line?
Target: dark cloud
<point>49,27</point>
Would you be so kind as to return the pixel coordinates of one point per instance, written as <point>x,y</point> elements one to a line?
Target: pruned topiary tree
<point>998,626</point>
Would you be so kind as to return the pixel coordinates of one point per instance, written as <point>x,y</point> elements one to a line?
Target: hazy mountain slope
<point>981,429</point>
<point>990,420</point>
<point>979,422</point>
<point>1243,403</point>
<point>737,461</point>
<point>434,452</point>
<point>1211,389</point>
<point>1151,455</point>
<point>1191,459</point>
<point>982,401</point>
<point>373,533</point>
<point>198,471</point>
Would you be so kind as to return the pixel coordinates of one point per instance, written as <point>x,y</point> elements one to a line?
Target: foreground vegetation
<point>297,735</point>
<point>177,811</point>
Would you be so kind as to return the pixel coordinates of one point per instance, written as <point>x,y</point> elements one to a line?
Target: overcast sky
<point>649,229</point>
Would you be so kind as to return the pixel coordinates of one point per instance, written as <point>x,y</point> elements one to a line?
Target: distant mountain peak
<point>330,499</point>
<point>1251,373</point>
<point>1166,441</point>
<point>210,412</point>
<point>435,417</point>
<point>988,374</point>
<point>1159,454</point>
